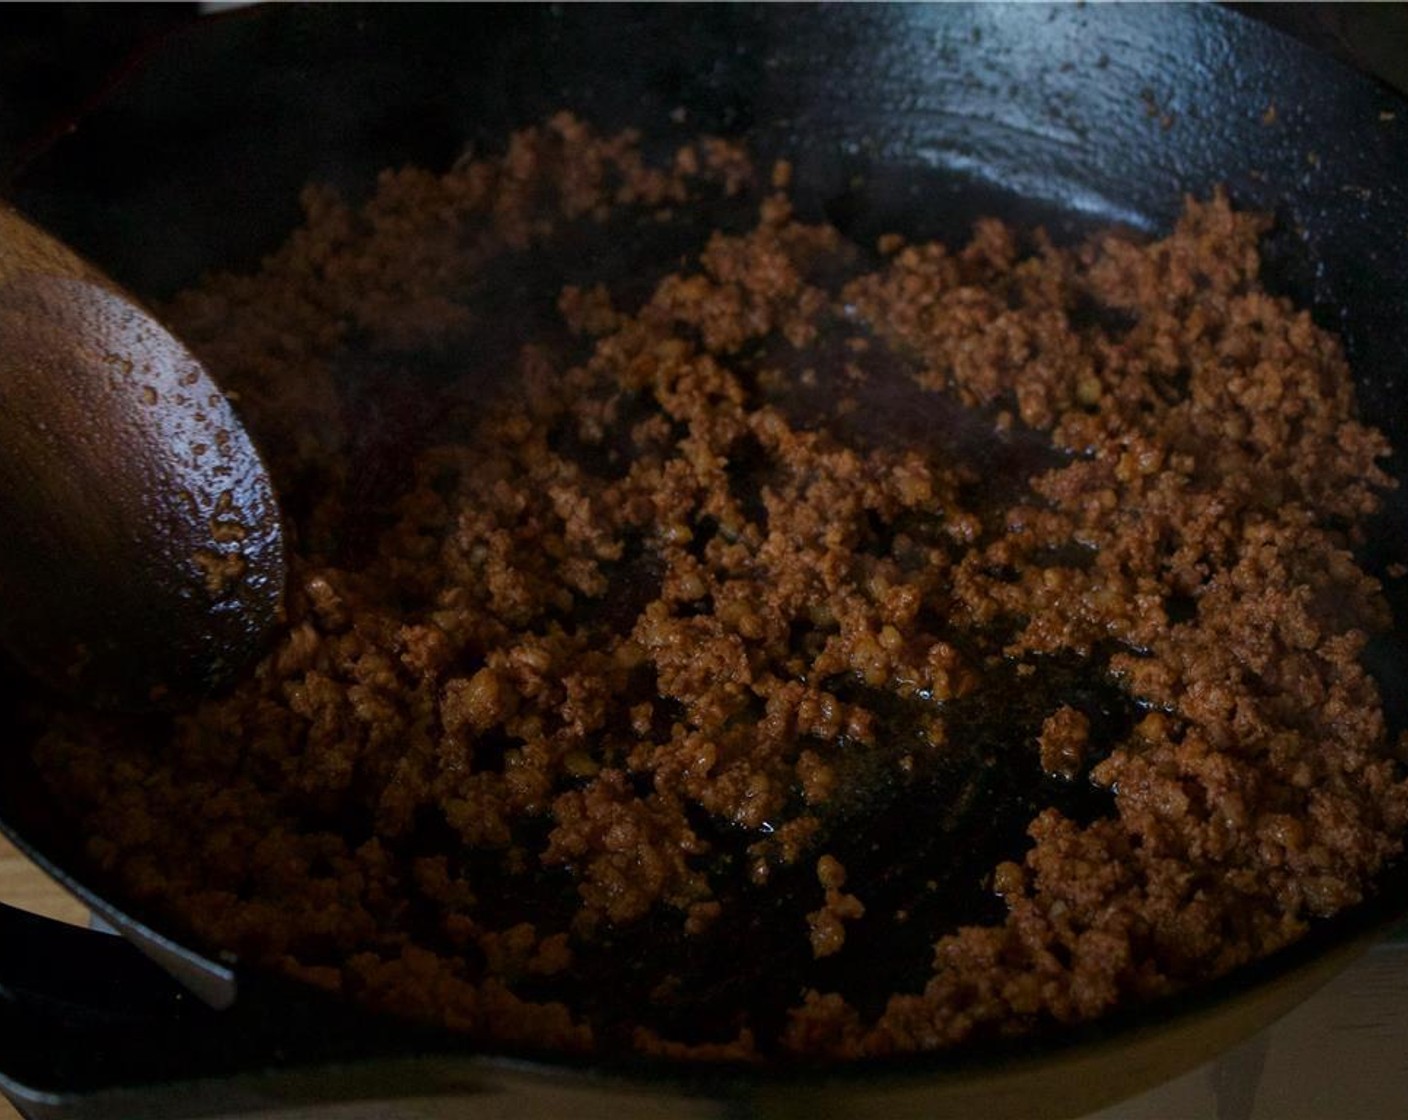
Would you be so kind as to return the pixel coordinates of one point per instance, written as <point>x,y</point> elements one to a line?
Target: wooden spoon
<point>142,556</point>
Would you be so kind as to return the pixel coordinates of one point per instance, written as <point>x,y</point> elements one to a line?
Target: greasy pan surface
<point>895,118</point>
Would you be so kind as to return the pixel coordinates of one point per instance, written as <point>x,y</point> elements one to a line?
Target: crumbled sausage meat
<point>620,619</point>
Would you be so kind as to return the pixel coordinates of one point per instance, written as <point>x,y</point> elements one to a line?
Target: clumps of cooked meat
<point>941,642</point>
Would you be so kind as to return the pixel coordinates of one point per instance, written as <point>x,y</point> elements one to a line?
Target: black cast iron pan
<point>911,118</point>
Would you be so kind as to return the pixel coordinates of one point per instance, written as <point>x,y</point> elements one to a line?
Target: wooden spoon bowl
<point>143,559</point>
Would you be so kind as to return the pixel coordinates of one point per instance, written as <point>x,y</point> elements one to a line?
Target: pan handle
<point>79,1009</point>
<point>55,969</point>
<point>84,1014</point>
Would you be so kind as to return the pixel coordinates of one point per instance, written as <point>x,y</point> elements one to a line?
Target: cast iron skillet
<point>910,118</point>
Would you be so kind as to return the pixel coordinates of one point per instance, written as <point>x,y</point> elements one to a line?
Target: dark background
<point>54,58</point>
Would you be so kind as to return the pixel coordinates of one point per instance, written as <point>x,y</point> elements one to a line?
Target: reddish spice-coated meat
<point>792,607</point>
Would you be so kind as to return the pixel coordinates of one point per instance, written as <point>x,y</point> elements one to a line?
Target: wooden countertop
<point>24,885</point>
<point>1342,1055</point>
